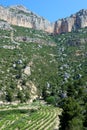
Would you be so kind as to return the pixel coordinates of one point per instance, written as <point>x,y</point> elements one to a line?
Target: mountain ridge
<point>21,16</point>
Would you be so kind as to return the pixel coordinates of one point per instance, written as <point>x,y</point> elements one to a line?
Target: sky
<point>52,10</point>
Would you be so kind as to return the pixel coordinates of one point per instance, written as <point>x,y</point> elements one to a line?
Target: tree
<point>85,121</point>
<point>27,95</point>
<point>20,96</point>
<point>71,118</point>
<point>51,100</point>
<point>9,95</point>
<point>70,90</point>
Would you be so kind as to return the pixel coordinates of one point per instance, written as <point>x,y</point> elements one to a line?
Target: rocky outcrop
<point>74,22</point>
<point>5,26</point>
<point>35,40</point>
<point>76,41</point>
<point>20,16</point>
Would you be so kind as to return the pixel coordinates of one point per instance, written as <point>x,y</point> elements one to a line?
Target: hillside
<point>28,64</point>
<point>32,58</point>
<point>38,66</point>
<point>28,60</point>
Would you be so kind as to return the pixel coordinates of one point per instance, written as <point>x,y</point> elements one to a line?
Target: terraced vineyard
<point>29,118</point>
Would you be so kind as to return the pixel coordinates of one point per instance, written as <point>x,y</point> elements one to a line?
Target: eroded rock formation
<point>20,16</point>
<point>74,22</point>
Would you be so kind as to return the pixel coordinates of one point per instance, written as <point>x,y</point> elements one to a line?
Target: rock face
<point>74,22</point>
<point>5,26</point>
<point>20,16</point>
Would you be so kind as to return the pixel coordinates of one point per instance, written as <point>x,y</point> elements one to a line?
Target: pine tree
<point>71,118</point>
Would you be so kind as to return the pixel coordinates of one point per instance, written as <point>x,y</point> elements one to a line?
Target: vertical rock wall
<point>20,16</point>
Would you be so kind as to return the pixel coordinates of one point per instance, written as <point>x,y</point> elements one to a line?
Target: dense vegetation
<point>16,56</point>
<point>72,84</point>
<point>57,71</point>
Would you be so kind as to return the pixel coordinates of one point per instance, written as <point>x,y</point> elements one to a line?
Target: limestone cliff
<point>20,16</point>
<point>74,22</point>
